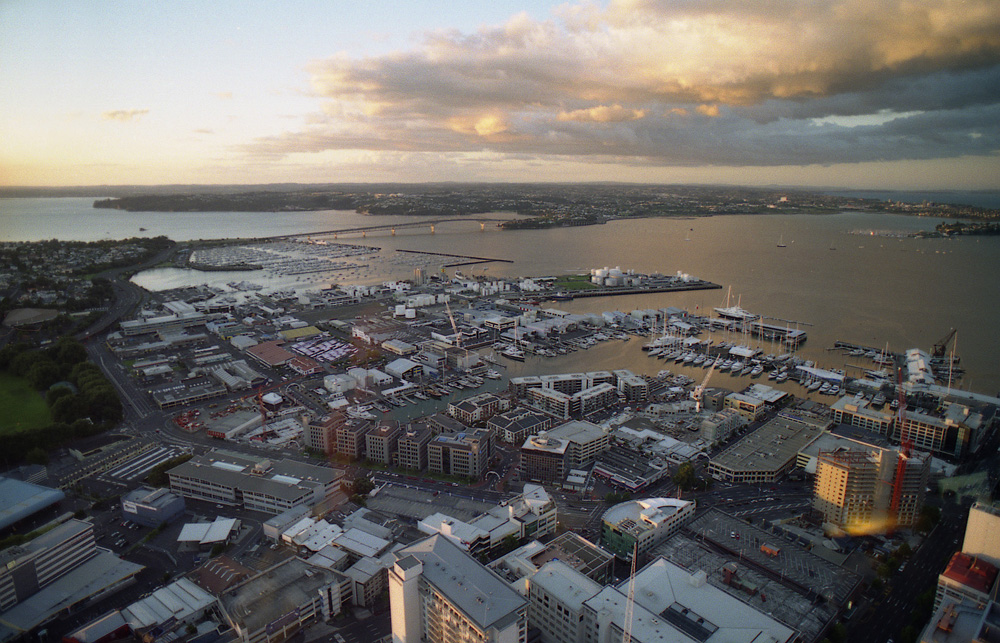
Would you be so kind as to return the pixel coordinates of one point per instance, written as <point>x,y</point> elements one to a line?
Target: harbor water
<point>831,279</point>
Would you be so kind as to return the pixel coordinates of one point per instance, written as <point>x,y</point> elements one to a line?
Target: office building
<point>256,484</point>
<point>981,532</point>
<point>25,569</point>
<point>671,605</point>
<point>152,507</point>
<point>769,452</point>
<point>640,525</point>
<point>465,454</point>
<point>381,443</point>
<point>411,447</point>
<point>438,592</point>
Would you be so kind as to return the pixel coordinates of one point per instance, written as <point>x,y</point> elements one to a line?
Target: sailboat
<point>781,241</point>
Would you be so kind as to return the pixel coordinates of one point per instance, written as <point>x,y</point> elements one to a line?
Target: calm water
<point>864,289</point>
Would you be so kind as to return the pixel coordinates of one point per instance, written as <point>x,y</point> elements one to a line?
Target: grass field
<point>23,407</point>
<point>573,282</point>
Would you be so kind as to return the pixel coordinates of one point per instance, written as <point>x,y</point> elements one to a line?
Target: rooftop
<point>480,594</point>
<point>21,499</point>
<point>974,573</point>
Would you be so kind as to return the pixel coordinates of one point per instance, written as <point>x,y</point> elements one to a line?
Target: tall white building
<point>438,592</point>
<point>981,533</point>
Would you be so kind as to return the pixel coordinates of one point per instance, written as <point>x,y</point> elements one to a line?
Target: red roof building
<point>967,579</point>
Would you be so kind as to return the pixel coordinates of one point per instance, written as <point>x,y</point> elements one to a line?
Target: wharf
<point>610,292</point>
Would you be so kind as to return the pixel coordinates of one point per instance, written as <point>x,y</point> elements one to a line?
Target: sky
<point>893,94</point>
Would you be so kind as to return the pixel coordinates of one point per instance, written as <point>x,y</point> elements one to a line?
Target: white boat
<point>492,375</point>
<point>756,371</point>
<point>815,385</point>
<point>772,375</point>
<point>781,378</point>
<point>699,360</point>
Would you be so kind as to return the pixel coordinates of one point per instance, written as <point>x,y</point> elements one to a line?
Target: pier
<point>470,260</point>
<point>610,292</point>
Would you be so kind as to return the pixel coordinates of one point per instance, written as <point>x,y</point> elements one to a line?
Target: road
<point>890,613</point>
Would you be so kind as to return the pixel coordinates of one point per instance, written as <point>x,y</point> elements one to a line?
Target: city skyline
<point>893,95</point>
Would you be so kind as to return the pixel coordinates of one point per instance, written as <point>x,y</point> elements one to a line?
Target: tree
<point>685,477</point>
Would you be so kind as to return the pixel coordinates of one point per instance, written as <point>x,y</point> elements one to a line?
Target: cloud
<point>602,114</point>
<point>773,82</point>
<point>124,115</point>
<point>224,95</point>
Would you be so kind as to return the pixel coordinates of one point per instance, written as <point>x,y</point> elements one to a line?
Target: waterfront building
<point>861,413</point>
<point>438,592</point>
<point>514,426</point>
<point>636,526</point>
<point>749,407</point>
<point>478,408</point>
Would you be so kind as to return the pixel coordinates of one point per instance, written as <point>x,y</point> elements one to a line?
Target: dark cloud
<point>682,82</point>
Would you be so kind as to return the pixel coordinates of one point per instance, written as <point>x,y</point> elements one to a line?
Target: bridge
<point>364,230</point>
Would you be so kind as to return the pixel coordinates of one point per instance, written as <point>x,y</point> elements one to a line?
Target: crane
<point>699,391</point>
<point>941,347</point>
<point>630,601</point>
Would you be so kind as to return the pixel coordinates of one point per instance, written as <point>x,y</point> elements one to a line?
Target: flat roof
<point>771,446</point>
<point>19,500</point>
<point>92,577</point>
<point>579,431</point>
<point>484,598</point>
<point>275,592</point>
<point>568,585</point>
<point>644,514</point>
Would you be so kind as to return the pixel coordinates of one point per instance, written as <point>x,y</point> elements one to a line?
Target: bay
<point>835,283</point>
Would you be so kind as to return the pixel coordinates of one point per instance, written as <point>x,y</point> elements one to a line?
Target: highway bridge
<point>363,230</point>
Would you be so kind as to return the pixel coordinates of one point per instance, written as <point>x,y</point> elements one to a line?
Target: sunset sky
<point>853,93</point>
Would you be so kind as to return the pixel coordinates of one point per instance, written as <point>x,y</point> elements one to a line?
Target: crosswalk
<point>143,463</point>
<point>769,508</point>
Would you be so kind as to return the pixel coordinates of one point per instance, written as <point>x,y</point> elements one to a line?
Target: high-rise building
<point>856,488</point>
<point>981,533</point>
<point>438,592</point>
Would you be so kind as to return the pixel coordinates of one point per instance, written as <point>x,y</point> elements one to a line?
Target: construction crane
<point>941,347</point>
<point>905,448</point>
<point>698,393</point>
<point>454,327</point>
<point>630,601</point>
